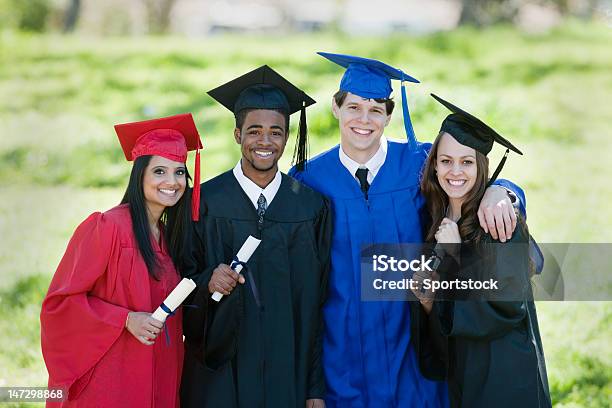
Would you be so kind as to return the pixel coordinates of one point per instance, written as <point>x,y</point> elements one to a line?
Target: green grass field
<point>59,159</point>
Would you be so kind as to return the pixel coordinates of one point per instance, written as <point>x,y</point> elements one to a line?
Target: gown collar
<point>373,165</point>
<point>252,190</point>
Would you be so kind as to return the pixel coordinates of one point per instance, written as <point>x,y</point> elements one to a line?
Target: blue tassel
<point>412,141</point>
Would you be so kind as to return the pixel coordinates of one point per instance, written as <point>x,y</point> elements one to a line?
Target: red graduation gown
<point>86,348</point>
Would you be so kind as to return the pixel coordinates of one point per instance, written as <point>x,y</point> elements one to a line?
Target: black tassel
<point>300,154</point>
<point>499,168</point>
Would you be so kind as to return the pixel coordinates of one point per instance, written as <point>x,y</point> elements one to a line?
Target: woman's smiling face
<point>163,182</point>
<point>455,167</point>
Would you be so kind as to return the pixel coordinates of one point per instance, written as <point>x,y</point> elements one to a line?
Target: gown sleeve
<point>77,327</point>
<point>210,328</point>
<point>503,312</point>
<point>194,316</point>
<point>430,345</point>
<point>323,228</point>
<point>535,253</point>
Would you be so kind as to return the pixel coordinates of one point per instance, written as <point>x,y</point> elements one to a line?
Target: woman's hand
<point>315,403</point>
<point>425,296</point>
<point>448,232</point>
<point>143,327</point>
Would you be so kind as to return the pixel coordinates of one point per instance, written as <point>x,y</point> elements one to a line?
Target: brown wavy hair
<point>437,200</point>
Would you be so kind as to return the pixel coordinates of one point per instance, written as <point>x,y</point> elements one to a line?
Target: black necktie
<point>362,176</point>
<point>262,204</point>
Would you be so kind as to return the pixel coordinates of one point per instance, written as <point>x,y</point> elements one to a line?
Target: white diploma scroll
<point>244,254</point>
<point>174,299</point>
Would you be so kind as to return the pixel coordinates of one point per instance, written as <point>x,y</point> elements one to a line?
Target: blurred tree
<point>482,13</point>
<point>579,8</point>
<point>31,15</point>
<point>158,15</point>
<point>563,5</point>
<point>72,15</point>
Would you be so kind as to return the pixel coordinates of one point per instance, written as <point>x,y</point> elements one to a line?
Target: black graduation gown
<point>489,351</point>
<point>261,345</point>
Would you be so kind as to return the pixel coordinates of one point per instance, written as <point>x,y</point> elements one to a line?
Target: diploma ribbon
<point>236,262</point>
<point>233,265</point>
<point>171,313</point>
<point>166,309</point>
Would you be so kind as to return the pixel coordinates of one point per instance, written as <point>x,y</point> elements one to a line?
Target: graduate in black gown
<point>484,342</point>
<point>260,346</point>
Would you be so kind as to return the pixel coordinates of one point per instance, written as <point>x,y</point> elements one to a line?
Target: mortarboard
<point>170,137</point>
<point>371,79</point>
<point>471,131</point>
<point>264,88</point>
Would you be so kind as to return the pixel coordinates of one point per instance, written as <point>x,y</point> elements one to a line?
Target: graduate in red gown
<point>99,341</point>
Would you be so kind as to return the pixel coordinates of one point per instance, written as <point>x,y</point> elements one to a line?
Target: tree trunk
<point>482,13</point>
<point>469,13</point>
<point>158,15</point>
<point>72,16</point>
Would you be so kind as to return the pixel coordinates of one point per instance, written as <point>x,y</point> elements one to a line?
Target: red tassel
<point>195,197</point>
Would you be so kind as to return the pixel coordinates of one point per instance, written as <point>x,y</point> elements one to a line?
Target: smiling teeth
<point>362,131</point>
<point>456,182</point>
<point>264,154</point>
<point>165,191</point>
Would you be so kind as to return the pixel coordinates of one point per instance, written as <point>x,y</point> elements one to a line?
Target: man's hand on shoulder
<point>496,213</point>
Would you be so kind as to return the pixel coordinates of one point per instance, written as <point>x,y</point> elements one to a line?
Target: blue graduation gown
<point>368,357</point>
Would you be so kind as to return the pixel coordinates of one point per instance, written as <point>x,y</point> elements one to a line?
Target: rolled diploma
<point>175,298</point>
<point>244,254</point>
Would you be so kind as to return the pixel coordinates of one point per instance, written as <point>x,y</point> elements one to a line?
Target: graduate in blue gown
<point>373,184</point>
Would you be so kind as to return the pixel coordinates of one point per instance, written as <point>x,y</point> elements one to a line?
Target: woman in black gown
<point>484,341</point>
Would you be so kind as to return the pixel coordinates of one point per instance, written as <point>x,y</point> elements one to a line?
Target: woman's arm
<point>77,328</point>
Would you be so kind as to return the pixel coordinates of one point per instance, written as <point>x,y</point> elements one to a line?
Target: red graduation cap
<point>170,137</point>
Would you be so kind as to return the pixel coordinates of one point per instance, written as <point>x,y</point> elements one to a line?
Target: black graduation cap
<point>264,88</point>
<point>471,131</point>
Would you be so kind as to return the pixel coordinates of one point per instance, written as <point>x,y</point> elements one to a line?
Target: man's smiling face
<point>362,123</point>
<point>262,139</point>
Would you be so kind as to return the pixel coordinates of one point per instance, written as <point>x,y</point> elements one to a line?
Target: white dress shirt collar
<point>252,190</point>
<point>373,165</point>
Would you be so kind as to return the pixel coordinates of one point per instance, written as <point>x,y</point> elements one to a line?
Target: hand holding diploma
<point>143,327</point>
<point>146,326</point>
<point>174,299</point>
<point>425,296</point>
<point>223,281</point>
<point>224,277</point>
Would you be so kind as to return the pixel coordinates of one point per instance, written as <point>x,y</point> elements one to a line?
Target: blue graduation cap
<point>371,79</point>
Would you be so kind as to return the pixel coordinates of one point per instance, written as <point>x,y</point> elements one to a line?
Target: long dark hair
<point>437,200</point>
<point>175,218</point>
